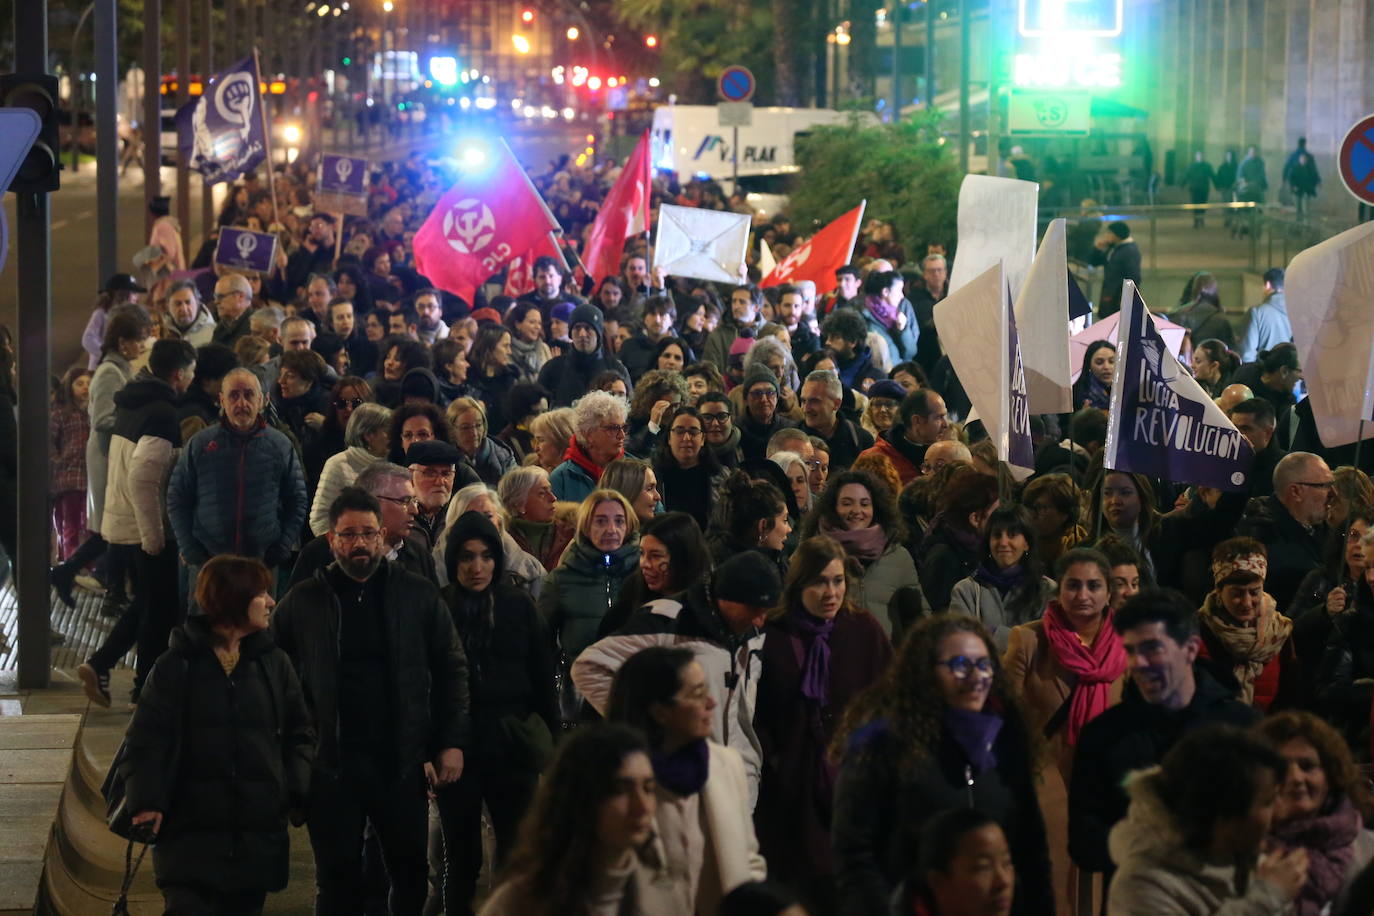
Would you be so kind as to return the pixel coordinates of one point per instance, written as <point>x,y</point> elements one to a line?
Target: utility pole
<point>33,256</point>
<point>964,52</point>
<point>207,70</point>
<point>930,55</point>
<point>106,142</point>
<point>152,108</point>
<point>183,210</point>
<point>897,61</point>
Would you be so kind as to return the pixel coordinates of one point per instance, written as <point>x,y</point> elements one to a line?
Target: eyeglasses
<point>1321,484</point>
<point>719,418</point>
<point>471,427</point>
<point>407,502</point>
<point>437,473</point>
<point>367,534</point>
<point>763,394</point>
<point>615,430</point>
<point>686,432</point>
<point>219,297</point>
<point>1042,508</point>
<point>352,403</point>
<point>928,468</point>
<point>961,666</point>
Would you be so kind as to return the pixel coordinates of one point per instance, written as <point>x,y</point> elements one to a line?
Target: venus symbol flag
<point>221,133</point>
<point>624,212</point>
<point>1161,423</point>
<point>490,216</point>
<point>820,256</point>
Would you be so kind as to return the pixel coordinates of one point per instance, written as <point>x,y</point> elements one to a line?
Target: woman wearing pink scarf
<point>1068,666</point>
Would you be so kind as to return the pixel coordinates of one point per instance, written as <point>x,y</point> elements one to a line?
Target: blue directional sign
<point>736,84</point>
<point>1356,160</point>
<point>19,127</point>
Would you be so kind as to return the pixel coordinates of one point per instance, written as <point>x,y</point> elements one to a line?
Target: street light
<point>573,33</point>
<point>387,6</point>
<point>651,41</point>
<point>522,44</point>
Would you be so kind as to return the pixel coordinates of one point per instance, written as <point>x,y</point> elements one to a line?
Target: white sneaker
<point>90,583</point>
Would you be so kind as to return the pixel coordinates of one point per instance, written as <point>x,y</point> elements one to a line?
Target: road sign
<point>19,127</point>
<point>1052,113</point>
<point>1356,160</point>
<point>735,114</point>
<point>736,84</point>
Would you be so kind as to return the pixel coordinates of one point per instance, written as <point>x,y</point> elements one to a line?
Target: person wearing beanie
<point>569,376</point>
<point>760,417</point>
<point>1115,249</point>
<point>720,620</point>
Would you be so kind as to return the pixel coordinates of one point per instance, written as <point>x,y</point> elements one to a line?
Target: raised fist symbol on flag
<point>469,226</point>
<point>790,263</point>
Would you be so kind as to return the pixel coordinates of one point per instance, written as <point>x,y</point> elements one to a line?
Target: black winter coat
<point>1293,550</point>
<point>1342,682</point>
<point>246,750</point>
<point>881,803</point>
<point>1133,735</point>
<point>942,562</point>
<point>425,662</point>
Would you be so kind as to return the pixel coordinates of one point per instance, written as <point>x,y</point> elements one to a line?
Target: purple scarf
<point>886,314</point>
<point>975,733</point>
<point>863,544</point>
<point>684,771</point>
<point>815,635</point>
<point>1099,395</point>
<point>1329,840</point>
<point>1004,580</point>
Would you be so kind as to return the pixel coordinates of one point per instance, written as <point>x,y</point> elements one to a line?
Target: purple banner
<point>343,174</point>
<point>1020,448</point>
<point>1162,424</point>
<point>246,249</point>
<point>221,133</point>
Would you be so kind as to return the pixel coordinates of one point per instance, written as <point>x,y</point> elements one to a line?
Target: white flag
<point>705,244</point>
<point>1042,321</point>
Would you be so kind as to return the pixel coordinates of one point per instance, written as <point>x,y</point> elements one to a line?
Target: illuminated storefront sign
<point>1068,44</point>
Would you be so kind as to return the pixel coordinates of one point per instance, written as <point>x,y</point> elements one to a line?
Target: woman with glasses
<point>599,438</point>
<point>1329,590</point>
<point>822,649</point>
<point>672,555</point>
<point>489,457</point>
<point>368,438</point>
<point>1053,501</point>
<point>689,476</point>
<point>942,728</point>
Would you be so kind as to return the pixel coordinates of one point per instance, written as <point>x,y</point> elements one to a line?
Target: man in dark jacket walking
<point>1117,252</point>
<point>1168,696</point>
<point>143,447</point>
<point>238,487</point>
<point>387,681</point>
<point>570,376</point>
<point>1291,523</point>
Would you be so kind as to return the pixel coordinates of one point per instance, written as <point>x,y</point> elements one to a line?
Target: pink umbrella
<point>1106,330</point>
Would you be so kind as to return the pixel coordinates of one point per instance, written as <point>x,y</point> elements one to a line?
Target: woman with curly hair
<point>750,515</point>
<point>860,514</point>
<point>1323,806</point>
<point>655,392</point>
<point>941,728</point>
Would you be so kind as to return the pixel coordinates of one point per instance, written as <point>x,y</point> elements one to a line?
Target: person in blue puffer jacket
<point>238,486</point>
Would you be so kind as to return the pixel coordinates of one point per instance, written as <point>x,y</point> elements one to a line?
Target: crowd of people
<point>712,598</point>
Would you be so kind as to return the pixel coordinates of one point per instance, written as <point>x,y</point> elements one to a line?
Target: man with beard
<point>386,678</point>
<point>433,467</point>
<point>238,486</point>
<point>548,286</point>
<point>569,376</point>
<point>429,309</point>
<point>187,317</point>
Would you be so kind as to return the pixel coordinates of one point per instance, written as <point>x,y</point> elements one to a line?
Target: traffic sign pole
<point>735,85</point>
<point>1355,162</point>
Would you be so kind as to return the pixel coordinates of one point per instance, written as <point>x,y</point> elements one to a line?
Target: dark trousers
<point>150,617</point>
<point>398,809</point>
<point>198,900</point>
<point>507,795</point>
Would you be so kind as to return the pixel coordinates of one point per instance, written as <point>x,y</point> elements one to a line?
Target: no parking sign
<point>1356,160</point>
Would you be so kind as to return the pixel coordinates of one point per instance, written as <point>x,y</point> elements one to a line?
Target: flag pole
<point>266,134</point>
<point>1359,442</point>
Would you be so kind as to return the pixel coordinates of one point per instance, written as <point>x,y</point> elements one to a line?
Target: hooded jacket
<point>426,667</point>
<point>143,447</point>
<point>732,664</point>
<point>234,492</point>
<point>569,376</point>
<point>246,750</point>
<point>582,589</point>
<point>113,373</point>
<point>509,654</point>
<point>1159,873</point>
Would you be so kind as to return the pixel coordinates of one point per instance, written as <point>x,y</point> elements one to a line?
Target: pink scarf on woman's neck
<point>1095,667</point>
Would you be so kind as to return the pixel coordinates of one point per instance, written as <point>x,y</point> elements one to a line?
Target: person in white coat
<point>367,439</point>
<point>702,820</point>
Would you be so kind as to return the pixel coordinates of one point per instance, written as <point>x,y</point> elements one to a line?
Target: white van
<point>688,141</point>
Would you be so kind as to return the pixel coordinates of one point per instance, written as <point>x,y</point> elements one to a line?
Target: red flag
<point>520,273</point>
<point>484,221</point>
<point>820,256</point>
<point>624,212</point>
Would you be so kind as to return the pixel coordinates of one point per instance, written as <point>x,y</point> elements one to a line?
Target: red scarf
<point>579,458</point>
<point>1094,667</point>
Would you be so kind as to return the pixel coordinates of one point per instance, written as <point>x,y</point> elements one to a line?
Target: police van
<point>688,141</point>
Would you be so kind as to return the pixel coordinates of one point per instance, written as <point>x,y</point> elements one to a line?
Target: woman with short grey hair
<point>550,435</point>
<point>534,525</point>
<point>367,437</point>
<point>600,427</point>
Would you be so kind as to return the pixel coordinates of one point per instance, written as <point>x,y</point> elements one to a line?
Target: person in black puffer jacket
<point>1343,680</point>
<point>224,704</point>
<point>570,376</point>
<point>514,708</point>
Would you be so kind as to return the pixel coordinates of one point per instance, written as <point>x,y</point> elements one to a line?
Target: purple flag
<point>1020,448</point>
<point>246,249</point>
<point>1162,424</point>
<point>343,185</point>
<point>221,133</point>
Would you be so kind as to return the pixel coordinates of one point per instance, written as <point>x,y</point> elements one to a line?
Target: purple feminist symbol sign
<point>246,250</point>
<point>1020,448</point>
<point>221,133</point>
<point>1162,424</point>
<point>343,185</point>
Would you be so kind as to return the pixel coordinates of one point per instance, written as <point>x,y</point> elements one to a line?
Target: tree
<point>700,38</point>
<point>908,177</point>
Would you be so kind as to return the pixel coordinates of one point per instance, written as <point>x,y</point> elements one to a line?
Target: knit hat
<point>886,389</point>
<point>741,345</point>
<point>431,452</point>
<point>749,578</point>
<point>420,383</point>
<point>757,375</point>
<point>562,312</point>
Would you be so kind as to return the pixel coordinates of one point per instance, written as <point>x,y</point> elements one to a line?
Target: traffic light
<point>347,61</point>
<point>39,172</point>
<point>527,16</point>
